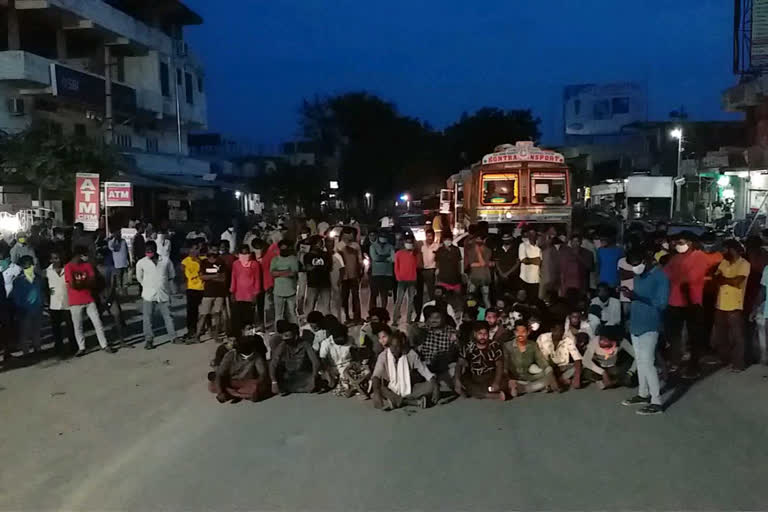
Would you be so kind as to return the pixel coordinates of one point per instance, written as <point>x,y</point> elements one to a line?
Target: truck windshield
<point>548,188</point>
<point>500,189</point>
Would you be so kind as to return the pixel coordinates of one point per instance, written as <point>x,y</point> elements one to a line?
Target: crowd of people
<point>505,314</point>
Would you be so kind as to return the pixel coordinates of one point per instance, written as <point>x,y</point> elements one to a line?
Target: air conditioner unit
<point>181,48</point>
<point>16,106</point>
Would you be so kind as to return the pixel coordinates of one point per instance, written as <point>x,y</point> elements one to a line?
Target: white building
<point>54,57</point>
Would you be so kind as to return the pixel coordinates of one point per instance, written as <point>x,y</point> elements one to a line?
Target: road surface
<point>139,431</point>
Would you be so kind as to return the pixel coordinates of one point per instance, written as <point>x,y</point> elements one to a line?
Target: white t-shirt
<point>339,355</point>
<point>530,274</point>
<point>629,283</point>
<point>58,288</point>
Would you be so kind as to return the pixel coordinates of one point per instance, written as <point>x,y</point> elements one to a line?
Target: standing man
<point>406,268</point>
<point>382,255</point>
<point>478,259</point>
<point>608,256</point>
<point>529,255</point>
<point>687,271</point>
<point>426,277</point>
<point>229,236</point>
<point>575,267</point>
<point>79,275</point>
<point>507,263</point>
<point>214,275</point>
<point>120,260</point>
<point>21,249</point>
<point>27,297</point>
<point>58,305</point>
<point>353,270</point>
<point>302,248</point>
<point>731,282</point>
<point>155,274</point>
<point>317,263</point>
<point>245,287</point>
<point>448,269</point>
<point>138,244</point>
<point>649,298</point>
<point>195,286</point>
<point>550,265</point>
<point>285,269</point>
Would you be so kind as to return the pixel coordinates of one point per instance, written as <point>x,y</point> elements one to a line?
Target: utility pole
<point>108,116</point>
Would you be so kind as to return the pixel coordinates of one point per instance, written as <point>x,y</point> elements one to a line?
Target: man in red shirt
<point>245,287</point>
<point>687,271</point>
<point>406,269</point>
<point>79,276</point>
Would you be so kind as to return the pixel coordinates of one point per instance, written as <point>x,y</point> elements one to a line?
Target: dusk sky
<point>437,59</point>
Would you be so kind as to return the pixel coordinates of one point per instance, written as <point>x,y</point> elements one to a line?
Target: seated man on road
<point>560,351</point>
<point>480,370</point>
<point>368,337</point>
<point>294,364</point>
<point>439,349</point>
<point>440,302</point>
<point>242,373</point>
<point>335,357</point>
<point>604,309</point>
<point>604,361</point>
<point>575,324</point>
<point>314,330</point>
<point>395,377</point>
<point>527,369</point>
<point>497,331</point>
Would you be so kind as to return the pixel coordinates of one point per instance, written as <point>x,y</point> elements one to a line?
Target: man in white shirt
<point>426,276</point>
<point>230,236</point>
<point>155,274</point>
<point>9,270</point>
<point>58,306</point>
<point>529,254</point>
<point>560,350</point>
<point>163,244</point>
<point>604,310</point>
<point>195,234</point>
<point>120,259</point>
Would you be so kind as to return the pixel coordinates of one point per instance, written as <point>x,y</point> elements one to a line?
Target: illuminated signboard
<point>523,151</point>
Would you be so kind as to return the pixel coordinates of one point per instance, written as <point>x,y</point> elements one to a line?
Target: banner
<point>118,194</point>
<point>87,193</point>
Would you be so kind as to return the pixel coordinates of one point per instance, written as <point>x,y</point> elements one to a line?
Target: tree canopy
<point>374,148</point>
<point>49,160</point>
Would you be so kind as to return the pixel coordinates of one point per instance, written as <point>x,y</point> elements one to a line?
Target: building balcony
<point>35,75</point>
<point>196,114</point>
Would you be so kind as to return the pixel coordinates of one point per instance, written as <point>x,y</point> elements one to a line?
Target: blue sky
<point>437,59</point>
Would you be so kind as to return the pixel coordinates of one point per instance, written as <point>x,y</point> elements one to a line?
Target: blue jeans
<point>165,310</point>
<point>645,355</point>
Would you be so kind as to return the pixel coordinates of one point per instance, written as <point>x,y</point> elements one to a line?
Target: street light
<point>677,133</point>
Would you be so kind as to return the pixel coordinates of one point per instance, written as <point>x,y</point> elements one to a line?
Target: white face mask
<point>597,243</point>
<point>409,246</point>
<point>447,243</point>
<point>681,248</point>
<point>230,229</point>
<point>665,246</point>
<point>304,236</point>
<point>535,326</point>
<point>638,269</point>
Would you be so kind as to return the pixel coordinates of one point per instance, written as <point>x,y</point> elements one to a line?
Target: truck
<point>516,184</point>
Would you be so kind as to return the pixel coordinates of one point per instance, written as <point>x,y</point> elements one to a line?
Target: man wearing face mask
<point>687,271</point>
<point>448,269</point>
<point>155,274</point>
<point>230,236</point>
<point>649,297</point>
<point>302,249</point>
<point>22,248</point>
<point>426,276</point>
<point>27,297</point>
<point>529,254</point>
<point>79,276</point>
<point>406,266</point>
<point>382,255</point>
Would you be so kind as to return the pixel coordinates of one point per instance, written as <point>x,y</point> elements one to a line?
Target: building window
<point>165,80</point>
<point>602,110</point>
<point>178,76</point>
<point>80,130</point>
<point>124,141</point>
<point>53,128</point>
<point>620,106</point>
<point>152,145</point>
<point>576,107</point>
<point>190,88</point>
<point>200,84</point>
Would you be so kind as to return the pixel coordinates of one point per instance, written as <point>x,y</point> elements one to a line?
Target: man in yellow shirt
<point>731,282</point>
<point>195,286</point>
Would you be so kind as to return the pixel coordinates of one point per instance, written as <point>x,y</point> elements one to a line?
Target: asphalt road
<point>139,431</point>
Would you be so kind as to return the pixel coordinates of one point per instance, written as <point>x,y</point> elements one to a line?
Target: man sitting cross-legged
<point>294,365</point>
<point>527,369</point>
<point>560,350</point>
<point>395,374</point>
<point>242,373</point>
<point>480,370</point>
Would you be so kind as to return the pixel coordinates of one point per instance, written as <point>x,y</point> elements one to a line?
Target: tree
<point>49,160</point>
<point>476,135</point>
